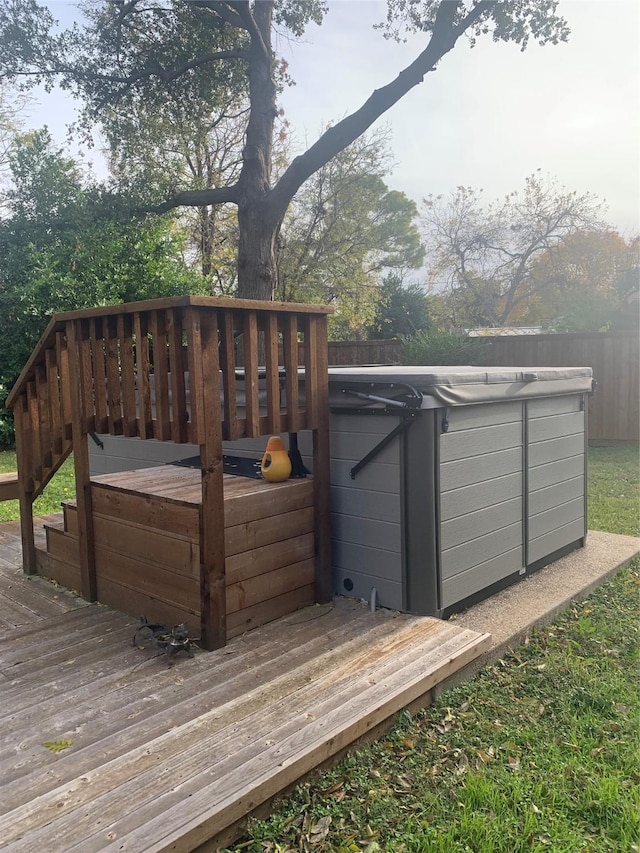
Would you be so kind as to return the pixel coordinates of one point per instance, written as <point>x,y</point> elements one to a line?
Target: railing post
<point>316,381</point>
<point>24,453</point>
<point>213,605</point>
<point>79,414</point>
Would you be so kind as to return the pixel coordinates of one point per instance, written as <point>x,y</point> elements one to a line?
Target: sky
<point>487,117</point>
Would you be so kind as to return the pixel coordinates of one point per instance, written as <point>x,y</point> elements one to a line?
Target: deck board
<point>168,758</point>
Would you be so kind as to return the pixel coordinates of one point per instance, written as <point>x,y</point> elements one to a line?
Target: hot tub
<point>448,483</point>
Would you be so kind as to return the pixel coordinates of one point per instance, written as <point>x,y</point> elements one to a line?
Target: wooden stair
<point>9,486</point>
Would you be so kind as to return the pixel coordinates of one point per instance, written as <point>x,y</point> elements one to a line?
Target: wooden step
<point>61,571</point>
<point>62,545</point>
<point>9,486</point>
<point>70,516</point>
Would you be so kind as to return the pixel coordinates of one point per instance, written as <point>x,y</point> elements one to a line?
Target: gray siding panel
<point>119,453</point>
<point>389,593</point>
<point>381,506</point>
<point>461,445</point>
<point>555,472</point>
<point>378,425</point>
<point>458,502</point>
<point>560,493</point>
<point>351,446</point>
<point>557,516</point>
<point>374,477</point>
<point>556,539</point>
<point>554,405</point>
<point>360,558</point>
<point>474,524</point>
<point>461,586</point>
<point>555,449</point>
<point>472,417</point>
<point>471,554</point>
<point>365,531</point>
<point>541,429</point>
<point>479,469</point>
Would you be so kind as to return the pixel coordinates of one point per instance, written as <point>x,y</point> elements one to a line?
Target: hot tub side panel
<point>556,465</point>
<point>366,512</point>
<point>481,498</point>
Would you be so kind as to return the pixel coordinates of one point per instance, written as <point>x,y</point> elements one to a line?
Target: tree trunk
<point>257,269</point>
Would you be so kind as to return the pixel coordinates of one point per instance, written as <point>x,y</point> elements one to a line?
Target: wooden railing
<point>168,369</point>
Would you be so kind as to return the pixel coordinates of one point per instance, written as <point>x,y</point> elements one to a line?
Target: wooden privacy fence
<point>166,369</point>
<point>614,410</point>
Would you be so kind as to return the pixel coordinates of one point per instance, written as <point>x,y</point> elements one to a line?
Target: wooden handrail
<point>188,369</point>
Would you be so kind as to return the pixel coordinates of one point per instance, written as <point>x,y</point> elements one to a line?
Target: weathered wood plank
<point>342,698</point>
<point>259,589</point>
<point>182,520</point>
<point>266,531</point>
<point>250,564</point>
<point>254,664</point>
<point>259,614</point>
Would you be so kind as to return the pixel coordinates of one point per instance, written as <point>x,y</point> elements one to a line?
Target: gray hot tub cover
<point>460,386</point>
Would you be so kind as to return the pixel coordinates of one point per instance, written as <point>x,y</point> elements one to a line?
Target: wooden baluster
<point>55,410</point>
<point>79,393</point>
<point>113,375</point>
<point>62,357</point>
<point>44,416</point>
<point>213,606</point>
<point>162,422</point>
<point>251,378</point>
<point>86,375</point>
<point>34,431</point>
<point>24,455</point>
<point>231,428</point>
<point>272,367</point>
<point>99,374</point>
<point>176,368</point>
<point>290,347</point>
<point>194,360</point>
<point>145,411</point>
<point>127,375</point>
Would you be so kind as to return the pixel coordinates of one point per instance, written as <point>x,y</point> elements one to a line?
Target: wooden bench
<point>9,486</point>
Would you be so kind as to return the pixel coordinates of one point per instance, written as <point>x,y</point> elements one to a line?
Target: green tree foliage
<point>436,347</point>
<point>65,245</point>
<point>402,310</point>
<point>131,50</point>
<point>483,257</point>
<point>343,230</point>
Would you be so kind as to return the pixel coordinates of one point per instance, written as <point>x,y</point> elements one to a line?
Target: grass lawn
<point>59,489</point>
<point>538,753</point>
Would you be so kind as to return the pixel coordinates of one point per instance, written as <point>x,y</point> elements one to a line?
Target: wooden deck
<point>168,759</point>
